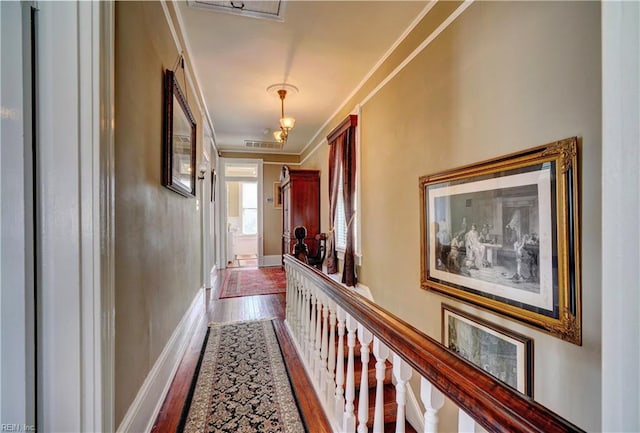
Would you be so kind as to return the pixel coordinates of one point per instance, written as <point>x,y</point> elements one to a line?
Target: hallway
<point>232,310</point>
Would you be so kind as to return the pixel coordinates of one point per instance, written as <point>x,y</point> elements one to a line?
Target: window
<point>340,224</point>
<point>249,208</point>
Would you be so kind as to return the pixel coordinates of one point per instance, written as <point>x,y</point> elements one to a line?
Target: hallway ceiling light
<point>286,123</point>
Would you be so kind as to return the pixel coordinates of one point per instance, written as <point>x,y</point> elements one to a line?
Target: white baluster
<point>365,337</point>
<point>318,341</point>
<point>310,329</point>
<point>339,395</point>
<point>324,347</point>
<point>291,288</point>
<point>402,373</point>
<point>466,424</point>
<point>292,294</point>
<point>381,353</point>
<point>331,366</point>
<point>298,311</point>
<point>349,420</point>
<point>312,332</point>
<point>433,400</point>
<point>303,316</point>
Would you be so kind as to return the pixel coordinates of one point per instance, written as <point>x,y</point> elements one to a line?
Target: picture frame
<point>213,184</point>
<point>503,234</point>
<point>504,354</point>
<point>179,140</point>
<point>277,195</point>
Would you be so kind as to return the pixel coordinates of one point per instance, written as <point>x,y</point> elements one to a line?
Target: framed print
<point>277,195</point>
<point>504,234</point>
<point>500,352</point>
<point>179,140</point>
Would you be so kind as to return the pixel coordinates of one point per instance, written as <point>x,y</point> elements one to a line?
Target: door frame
<point>76,308</point>
<point>223,208</point>
<point>18,212</point>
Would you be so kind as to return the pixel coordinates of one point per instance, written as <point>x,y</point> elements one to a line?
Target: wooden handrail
<point>490,402</point>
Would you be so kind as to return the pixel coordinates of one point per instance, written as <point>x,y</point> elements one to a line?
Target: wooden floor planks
<point>232,310</point>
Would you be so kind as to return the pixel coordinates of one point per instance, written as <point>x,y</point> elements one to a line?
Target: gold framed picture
<point>503,234</point>
<point>277,195</point>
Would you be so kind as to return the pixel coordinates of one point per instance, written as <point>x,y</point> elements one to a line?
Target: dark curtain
<point>342,156</point>
<point>335,156</point>
<point>348,191</point>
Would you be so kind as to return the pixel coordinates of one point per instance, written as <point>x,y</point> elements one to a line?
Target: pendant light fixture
<point>286,123</point>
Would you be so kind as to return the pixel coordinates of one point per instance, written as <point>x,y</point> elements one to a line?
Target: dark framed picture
<point>500,352</point>
<point>213,185</point>
<point>504,234</point>
<point>179,140</point>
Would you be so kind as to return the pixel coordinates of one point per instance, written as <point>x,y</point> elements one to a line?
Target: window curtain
<point>342,156</point>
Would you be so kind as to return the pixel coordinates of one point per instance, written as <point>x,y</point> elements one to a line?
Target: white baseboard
<point>414,414</point>
<point>275,260</point>
<point>213,276</point>
<point>145,407</point>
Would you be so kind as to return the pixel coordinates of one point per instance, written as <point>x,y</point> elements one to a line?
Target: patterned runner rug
<point>251,282</point>
<point>242,384</point>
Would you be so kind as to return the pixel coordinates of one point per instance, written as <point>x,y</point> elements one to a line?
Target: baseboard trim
<point>213,276</point>
<point>275,260</point>
<point>414,414</point>
<point>142,413</point>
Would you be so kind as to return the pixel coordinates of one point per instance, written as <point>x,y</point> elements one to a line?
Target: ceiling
<point>324,48</point>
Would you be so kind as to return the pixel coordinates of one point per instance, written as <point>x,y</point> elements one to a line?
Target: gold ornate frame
<point>534,279</point>
<point>277,195</point>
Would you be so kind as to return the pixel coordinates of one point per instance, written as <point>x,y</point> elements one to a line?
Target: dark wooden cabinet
<point>300,207</point>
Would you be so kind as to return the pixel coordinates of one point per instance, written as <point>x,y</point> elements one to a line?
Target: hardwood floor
<point>231,310</point>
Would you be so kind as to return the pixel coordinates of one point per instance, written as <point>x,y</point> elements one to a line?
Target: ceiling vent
<point>256,144</point>
<point>269,9</point>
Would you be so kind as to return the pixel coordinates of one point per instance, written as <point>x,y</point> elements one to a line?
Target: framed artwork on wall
<point>277,195</point>
<point>503,234</point>
<point>179,140</point>
<point>500,352</point>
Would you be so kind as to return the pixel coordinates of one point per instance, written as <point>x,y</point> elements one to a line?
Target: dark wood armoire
<point>300,207</point>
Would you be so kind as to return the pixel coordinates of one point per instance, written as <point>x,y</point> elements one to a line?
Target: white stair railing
<point>321,315</point>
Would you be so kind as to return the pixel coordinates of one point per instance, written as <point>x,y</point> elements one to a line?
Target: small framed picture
<point>277,195</point>
<point>500,352</point>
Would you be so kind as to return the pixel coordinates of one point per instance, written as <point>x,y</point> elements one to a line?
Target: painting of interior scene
<point>490,236</point>
<point>494,355</point>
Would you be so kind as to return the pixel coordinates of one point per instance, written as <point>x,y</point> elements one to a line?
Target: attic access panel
<point>269,9</point>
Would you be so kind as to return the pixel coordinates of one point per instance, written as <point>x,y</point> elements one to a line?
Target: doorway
<point>243,212</point>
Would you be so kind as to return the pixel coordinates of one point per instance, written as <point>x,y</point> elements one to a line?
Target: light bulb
<point>287,122</point>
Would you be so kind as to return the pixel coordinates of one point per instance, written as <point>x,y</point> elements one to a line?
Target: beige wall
<point>233,199</point>
<point>158,239</point>
<point>505,76</point>
<point>271,216</point>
